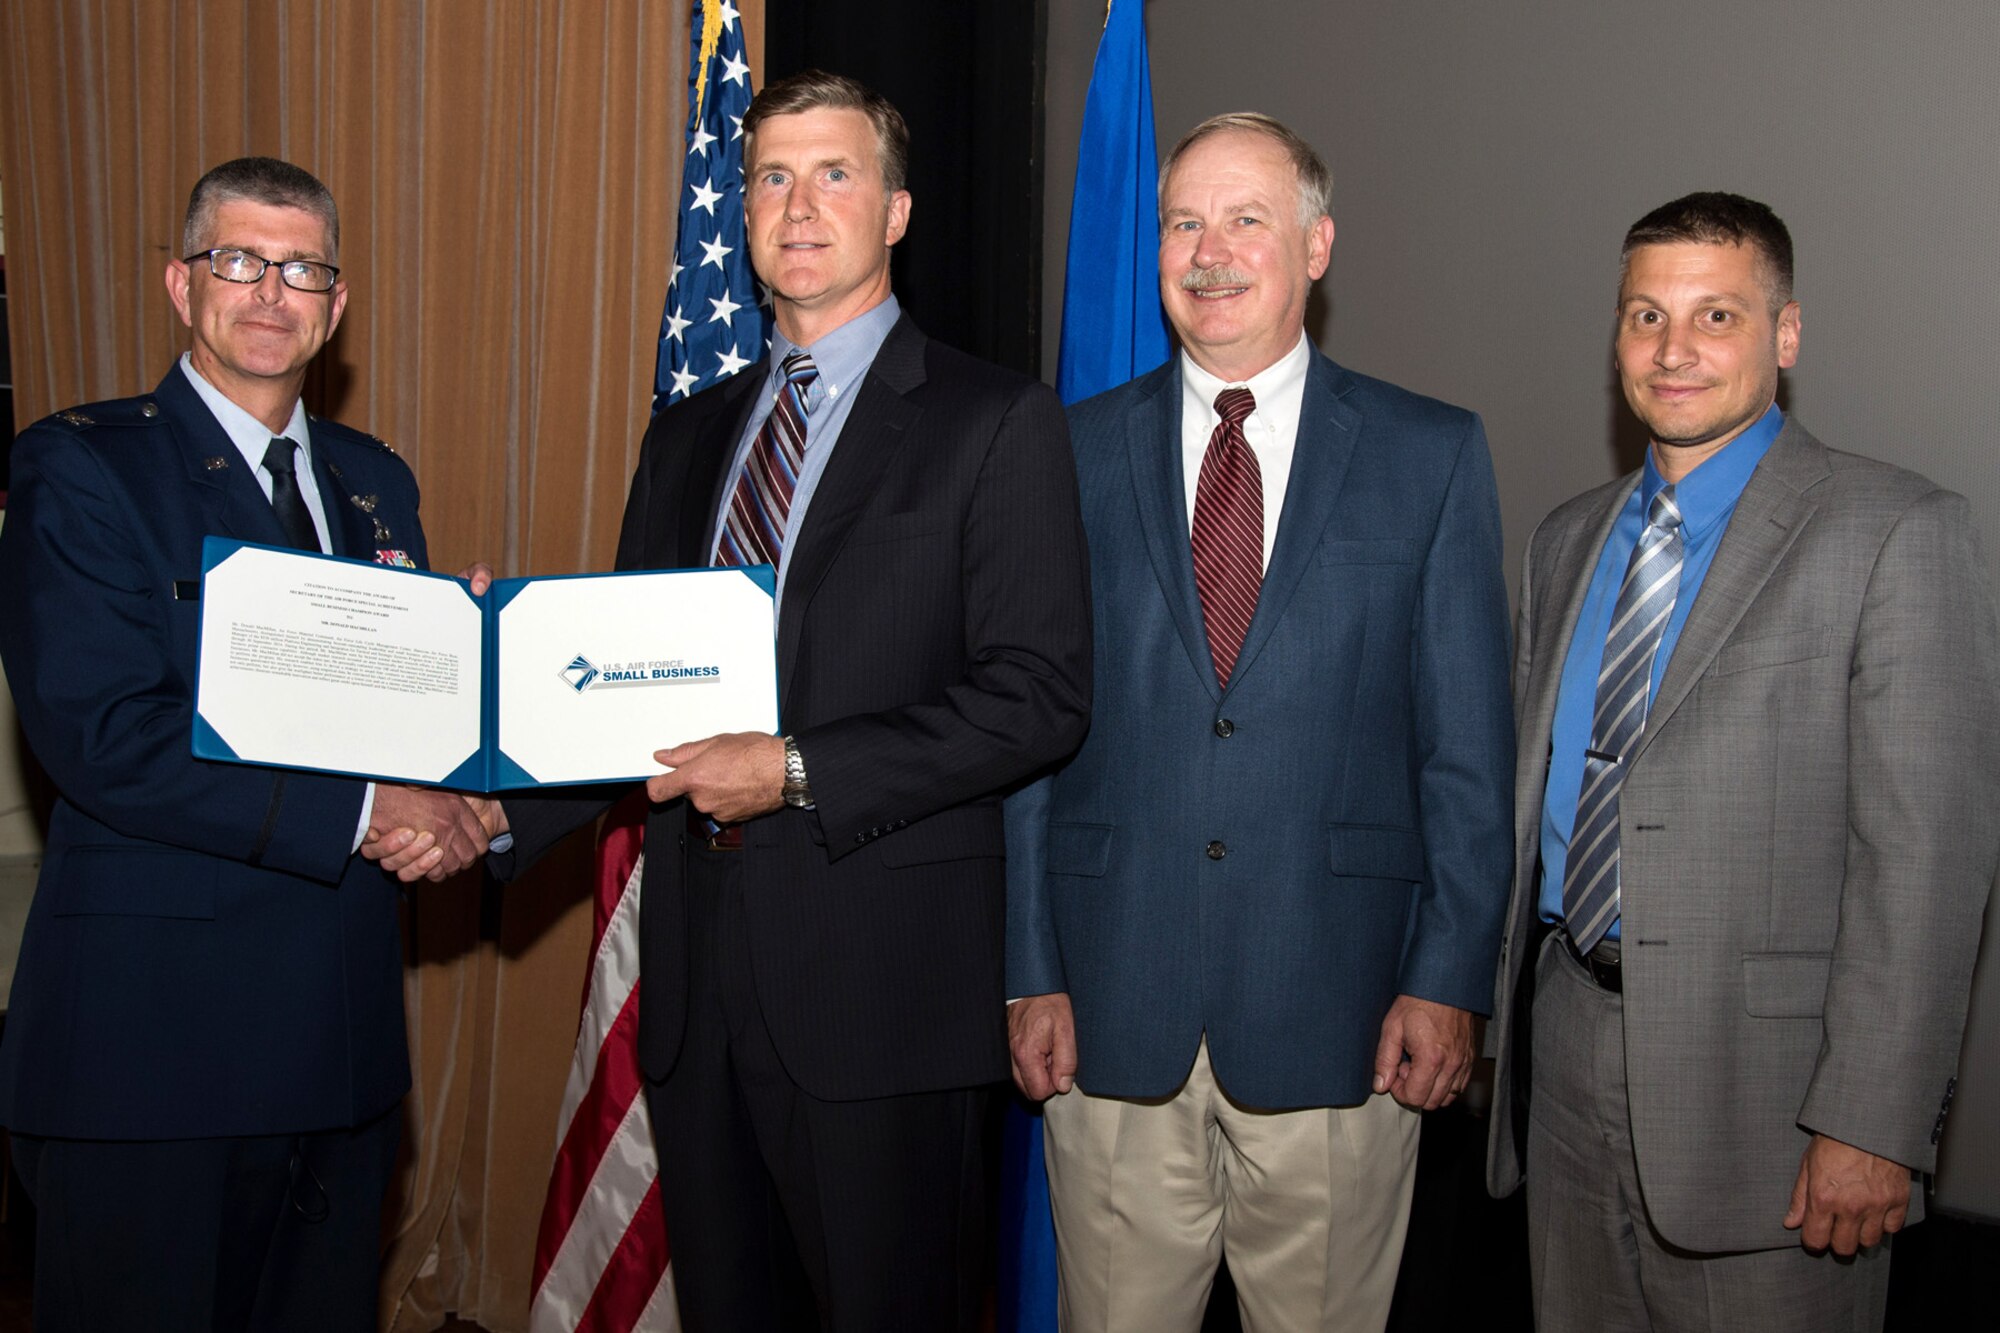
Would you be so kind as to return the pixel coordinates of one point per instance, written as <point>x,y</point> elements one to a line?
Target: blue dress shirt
<point>251,437</point>
<point>1707,497</point>
<point>843,358</point>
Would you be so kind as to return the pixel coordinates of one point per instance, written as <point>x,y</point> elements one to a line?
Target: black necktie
<point>286,502</point>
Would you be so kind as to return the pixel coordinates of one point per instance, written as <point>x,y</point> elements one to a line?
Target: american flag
<point>601,1256</point>
<point>717,319</point>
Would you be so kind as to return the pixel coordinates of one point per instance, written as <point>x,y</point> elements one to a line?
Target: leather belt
<point>702,829</point>
<point>1602,964</point>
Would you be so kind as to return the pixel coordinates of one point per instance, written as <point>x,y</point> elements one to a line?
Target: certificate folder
<point>317,662</point>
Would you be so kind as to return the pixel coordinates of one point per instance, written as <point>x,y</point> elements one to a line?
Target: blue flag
<point>1112,330</point>
<point>716,320</point>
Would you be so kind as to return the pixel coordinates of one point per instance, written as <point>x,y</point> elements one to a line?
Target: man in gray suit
<point>1759,766</point>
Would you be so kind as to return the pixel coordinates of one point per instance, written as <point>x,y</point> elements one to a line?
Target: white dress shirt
<point>1272,430</point>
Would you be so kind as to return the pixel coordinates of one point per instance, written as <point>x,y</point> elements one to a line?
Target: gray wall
<point>1488,157</point>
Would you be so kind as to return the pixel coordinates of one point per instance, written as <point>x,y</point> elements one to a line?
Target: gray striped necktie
<point>1624,687</point>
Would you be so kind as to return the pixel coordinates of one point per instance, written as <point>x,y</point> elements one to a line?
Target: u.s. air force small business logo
<point>582,674</point>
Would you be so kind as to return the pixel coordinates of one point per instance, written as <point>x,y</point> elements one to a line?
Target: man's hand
<point>729,778</point>
<point>1846,1198</point>
<point>1041,1039</point>
<point>491,814</point>
<point>480,575</point>
<point>419,833</point>
<point>1425,1055</point>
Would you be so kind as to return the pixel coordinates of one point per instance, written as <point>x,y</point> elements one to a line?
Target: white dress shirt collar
<point>1272,430</point>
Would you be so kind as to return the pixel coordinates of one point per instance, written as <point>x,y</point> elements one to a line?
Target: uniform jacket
<point>203,956</point>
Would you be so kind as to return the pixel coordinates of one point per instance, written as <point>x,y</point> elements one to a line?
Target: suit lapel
<point>350,522</point>
<point>1773,508</point>
<point>1153,443</point>
<point>1328,431</point>
<point>870,440</point>
<point>1572,565</point>
<point>232,503</point>
<point>709,471</point>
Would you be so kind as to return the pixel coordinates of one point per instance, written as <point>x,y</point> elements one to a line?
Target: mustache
<point>1216,275</point>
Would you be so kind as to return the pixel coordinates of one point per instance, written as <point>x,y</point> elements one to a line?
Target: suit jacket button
<point>860,838</point>
<point>1216,851</point>
<point>1224,728</point>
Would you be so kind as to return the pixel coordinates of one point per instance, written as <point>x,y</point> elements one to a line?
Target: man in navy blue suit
<point>1250,921</point>
<point>205,1051</point>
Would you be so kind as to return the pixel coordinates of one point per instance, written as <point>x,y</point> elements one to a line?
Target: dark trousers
<point>786,1212</point>
<point>280,1232</point>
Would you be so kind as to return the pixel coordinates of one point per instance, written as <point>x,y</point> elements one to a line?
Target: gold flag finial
<point>711,37</point>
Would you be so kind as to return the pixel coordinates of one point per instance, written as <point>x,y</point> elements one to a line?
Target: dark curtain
<point>968,80</point>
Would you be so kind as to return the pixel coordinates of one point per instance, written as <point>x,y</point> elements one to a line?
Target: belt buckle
<point>1605,973</point>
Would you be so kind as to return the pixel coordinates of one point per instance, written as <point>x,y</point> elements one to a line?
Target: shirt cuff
<point>367,809</point>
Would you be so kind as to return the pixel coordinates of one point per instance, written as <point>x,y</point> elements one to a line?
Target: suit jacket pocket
<point>949,835</point>
<point>893,528</point>
<point>1375,551</point>
<point>134,881</point>
<point>1769,650</point>
<point>1370,851</point>
<point>1079,849</point>
<point>1785,985</point>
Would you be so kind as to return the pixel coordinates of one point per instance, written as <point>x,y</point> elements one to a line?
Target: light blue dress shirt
<point>843,358</point>
<point>1707,497</point>
<point>251,438</point>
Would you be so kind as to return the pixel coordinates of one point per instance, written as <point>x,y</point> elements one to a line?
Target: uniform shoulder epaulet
<point>353,436</point>
<point>112,412</point>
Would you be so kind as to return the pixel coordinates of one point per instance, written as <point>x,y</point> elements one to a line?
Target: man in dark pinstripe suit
<point>822,1012</point>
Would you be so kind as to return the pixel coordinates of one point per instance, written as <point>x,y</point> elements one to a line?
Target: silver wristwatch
<point>797,791</point>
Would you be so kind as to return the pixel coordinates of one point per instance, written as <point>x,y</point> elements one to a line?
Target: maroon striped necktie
<point>1229,532</point>
<point>754,533</point>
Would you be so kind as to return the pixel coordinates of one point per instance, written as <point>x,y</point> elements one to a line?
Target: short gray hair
<point>259,180</point>
<point>1315,180</point>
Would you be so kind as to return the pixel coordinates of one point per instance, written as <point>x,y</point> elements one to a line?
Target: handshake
<point>422,833</point>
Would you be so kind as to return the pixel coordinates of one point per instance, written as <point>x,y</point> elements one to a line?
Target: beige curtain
<point>506,172</point>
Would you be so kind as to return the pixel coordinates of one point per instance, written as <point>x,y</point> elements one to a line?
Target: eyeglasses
<point>305,275</point>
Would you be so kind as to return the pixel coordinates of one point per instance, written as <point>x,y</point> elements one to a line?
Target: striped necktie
<point>1228,532</point>
<point>1624,691</point>
<point>754,533</point>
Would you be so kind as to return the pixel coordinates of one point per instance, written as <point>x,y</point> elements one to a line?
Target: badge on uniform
<point>388,556</point>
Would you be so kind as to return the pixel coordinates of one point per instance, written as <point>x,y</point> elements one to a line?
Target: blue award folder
<point>318,662</point>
